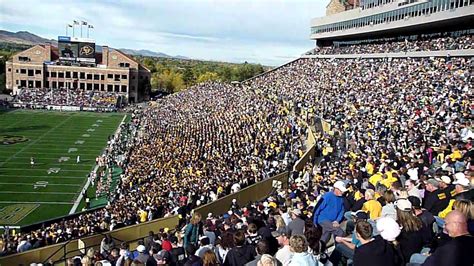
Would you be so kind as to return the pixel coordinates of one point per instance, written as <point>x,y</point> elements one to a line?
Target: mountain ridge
<point>28,38</point>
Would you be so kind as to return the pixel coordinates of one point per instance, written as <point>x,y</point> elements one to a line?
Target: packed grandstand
<point>407,124</point>
<point>390,182</point>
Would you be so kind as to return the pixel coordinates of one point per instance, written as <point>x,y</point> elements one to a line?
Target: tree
<point>188,76</point>
<point>208,76</point>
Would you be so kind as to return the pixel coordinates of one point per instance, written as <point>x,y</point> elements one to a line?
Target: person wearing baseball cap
<point>463,189</point>
<point>446,186</point>
<point>435,200</point>
<point>329,211</point>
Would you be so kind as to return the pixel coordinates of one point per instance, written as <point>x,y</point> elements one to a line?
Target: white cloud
<point>266,31</point>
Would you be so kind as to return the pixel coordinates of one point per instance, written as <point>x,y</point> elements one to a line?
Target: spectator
<point>241,253</point>
<point>301,257</point>
<point>373,250</point>
<point>296,226</point>
<point>329,211</point>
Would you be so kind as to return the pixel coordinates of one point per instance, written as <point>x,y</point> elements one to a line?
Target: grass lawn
<point>54,139</point>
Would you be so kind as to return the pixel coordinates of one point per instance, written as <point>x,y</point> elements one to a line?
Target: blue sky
<point>270,32</point>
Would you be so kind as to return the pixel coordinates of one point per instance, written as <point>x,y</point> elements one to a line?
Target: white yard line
<point>36,169</point>
<point>49,184</point>
<point>37,192</point>
<point>32,202</point>
<point>86,186</point>
<point>47,176</point>
<point>33,142</point>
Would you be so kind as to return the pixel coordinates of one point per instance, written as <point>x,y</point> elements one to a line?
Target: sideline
<point>88,181</point>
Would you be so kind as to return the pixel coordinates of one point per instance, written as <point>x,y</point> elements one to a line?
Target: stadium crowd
<point>428,43</point>
<point>40,98</point>
<point>393,186</point>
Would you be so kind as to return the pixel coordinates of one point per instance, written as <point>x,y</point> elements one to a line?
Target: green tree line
<point>173,75</point>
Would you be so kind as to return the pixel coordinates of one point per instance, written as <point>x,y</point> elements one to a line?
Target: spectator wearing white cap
<point>463,189</point>
<point>446,186</point>
<point>329,211</point>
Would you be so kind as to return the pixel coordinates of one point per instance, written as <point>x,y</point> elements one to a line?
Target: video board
<point>76,49</point>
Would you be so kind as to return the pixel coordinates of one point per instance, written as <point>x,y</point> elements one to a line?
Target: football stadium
<point>358,152</point>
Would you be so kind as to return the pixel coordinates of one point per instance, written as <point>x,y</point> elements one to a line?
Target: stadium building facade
<point>353,22</point>
<point>44,66</point>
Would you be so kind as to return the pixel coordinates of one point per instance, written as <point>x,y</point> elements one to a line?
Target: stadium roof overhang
<point>448,25</point>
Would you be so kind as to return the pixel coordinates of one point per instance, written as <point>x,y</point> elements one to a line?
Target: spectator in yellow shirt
<point>372,206</point>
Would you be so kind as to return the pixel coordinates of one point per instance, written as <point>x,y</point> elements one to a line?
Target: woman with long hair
<point>411,238</point>
<point>223,244</point>
<point>210,259</point>
<point>316,247</point>
<point>279,222</point>
<point>192,229</point>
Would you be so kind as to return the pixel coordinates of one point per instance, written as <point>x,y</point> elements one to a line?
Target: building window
<point>60,75</point>
<point>37,84</point>
<point>102,86</point>
<point>38,72</point>
<point>68,75</point>
<point>74,75</point>
<point>117,77</point>
<point>31,72</point>
<point>24,58</point>
<point>53,74</point>
<point>89,76</point>
<point>61,84</point>
<point>96,77</point>
<point>82,75</point>
<point>102,77</point>
<point>110,87</point>
<point>124,76</point>
<point>55,84</point>
<point>82,86</point>
<point>22,71</point>
<point>117,88</point>
<point>9,70</point>
<point>89,86</point>
<point>110,76</point>
<point>23,83</point>
<point>124,88</point>
<point>124,65</point>
<point>96,87</point>
<point>16,82</point>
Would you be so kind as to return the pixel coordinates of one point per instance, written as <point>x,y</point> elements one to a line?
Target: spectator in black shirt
<point>458,251</point>
<point>373,251</point>
<point>241,253</point>
<point>435,200</point>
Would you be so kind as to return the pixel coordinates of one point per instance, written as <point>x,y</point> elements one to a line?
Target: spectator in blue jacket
<point>329,211</point>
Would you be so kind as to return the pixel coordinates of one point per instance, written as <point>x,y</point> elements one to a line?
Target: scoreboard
<point>76,49</point>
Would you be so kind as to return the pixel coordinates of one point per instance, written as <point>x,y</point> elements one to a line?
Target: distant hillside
<point>27,38</point>
<point>144,52</point>
<point>22,37</point>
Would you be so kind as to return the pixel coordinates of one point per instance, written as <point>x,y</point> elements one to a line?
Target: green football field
<point>30,194</point>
